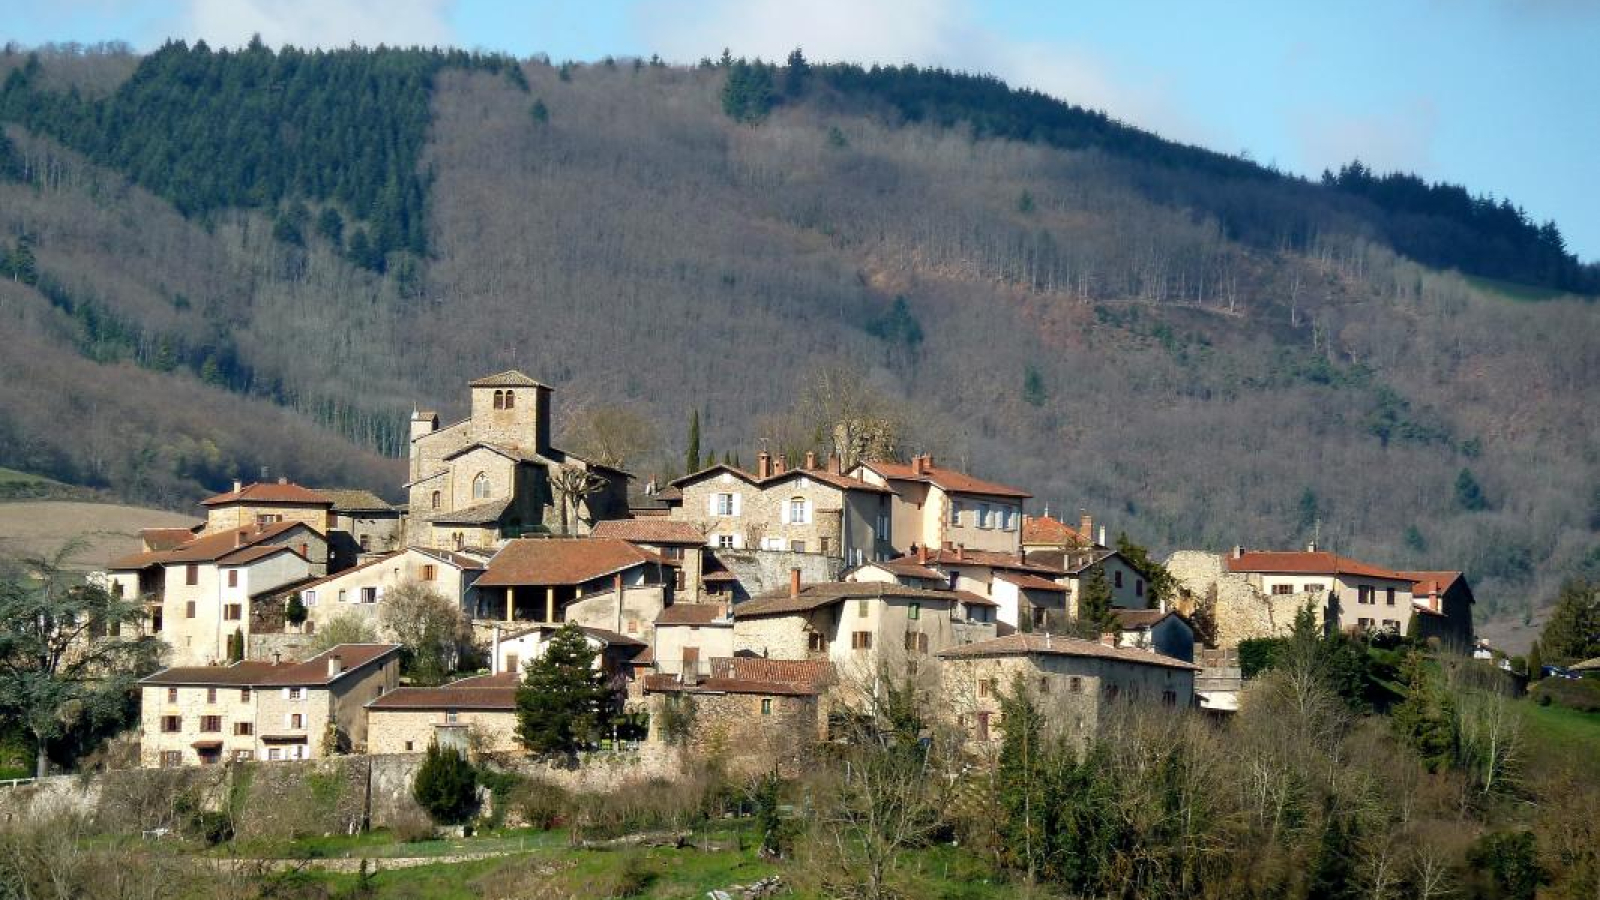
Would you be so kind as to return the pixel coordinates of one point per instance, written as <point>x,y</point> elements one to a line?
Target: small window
<point>914,611</point>
<point>1283,589</point>
<point>1041,617</point>
<point>511,399</point>
<point>452,716</point>
<point>369,595</point>
<point>274,753</point>
<point>188,610</point>
<point>1044,684</point>
<point>171,759</point>
<point>725,541</point>
<point>797,511</point>
<point>861,640</point>
<point>1169,698</point>
<point>294,693</point>
<point>1389,596</point>
<point>1075,685</point>
<point>233,578</point>
<point>211,724</point>
<point>955,512</point>
<point>983,515</point>
<point>797,546</point>
<point>366,542</point>
<point>211,695</point>
<point>172,695</point>
<point>171,724</point>
<point>244,755</point>
<point>244,695</point>
<point>435,500</point>
<point>191,574</point>
<point>429,572</point>
<point>408,746</point>
<point>766,706</point>
<point>1117,578</point>
<point>1138,587</point>
<point>512,661</point>
<point>983,726</point>
<point>815,642</point>
<point>861,609</point>
<point>297,720</point>
<point>824,545</point>
<point>499,399</point>
<point>308,598</point>
<point>233,612</point>
<point>724,504</point>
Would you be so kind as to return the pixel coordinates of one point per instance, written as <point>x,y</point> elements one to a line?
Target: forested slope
<point>1200,351</point>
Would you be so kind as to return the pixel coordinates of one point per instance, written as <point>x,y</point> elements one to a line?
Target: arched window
<point>480,487</point>
<point>511,399</point>
<point>499,399</point>
<point>435,499</point>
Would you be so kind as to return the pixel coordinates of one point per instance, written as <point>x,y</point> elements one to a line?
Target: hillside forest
<point>219,262</point>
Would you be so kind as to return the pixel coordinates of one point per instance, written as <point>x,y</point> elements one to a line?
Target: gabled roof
<point>827,593</point>
<point>256,673</point>
<point>158,539</point>
<point>948,479</point>
<point>486,513</point>
<point>692,614</point>
<point>1307,562</point>
<point>1036,644</point>
<point>271,492</point>
<point>515,454</point>
<point>605,636</point>
<point>1030,582</point>
<point>508,378</point>
<point>561,561</point>
<point>650,531</point>
<point>221,547</point>
<point>1051,531</point>
<point>497,693</point>
<point>990,559</point>
<point>842,482</point>
<point>1072,562</point>
<point>355,500</point>
<point>907,567</point>
<point>1132,619</point>
<point>451,558</point>
<point>375,561</point>
<point>1424,583</point>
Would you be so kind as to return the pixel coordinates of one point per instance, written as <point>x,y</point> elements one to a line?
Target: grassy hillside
<point>1197,350</point>
<point>97,532</point>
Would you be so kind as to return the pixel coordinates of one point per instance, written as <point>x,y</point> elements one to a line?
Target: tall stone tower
<point>513,410</point>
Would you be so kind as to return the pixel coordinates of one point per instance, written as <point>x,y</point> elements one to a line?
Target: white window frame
<point>799,510</point>
<point>725,504</point>
<point>308,598</point>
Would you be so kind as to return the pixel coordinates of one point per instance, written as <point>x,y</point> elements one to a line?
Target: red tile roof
<point>221,546</point>
<point>158,539</point>
<point>271,492</point>
<point>1051,531</point>
<point>485,692</point>
<point>1129,619</point>
<point>827,593</point>
<point>256,673</point>
<point>650,531</point>
<point>1424,583</point>
<point>690,614</point>
<point>1030,582</point>
<point>948,479</point>
<point>1307,562</point>
<point>990,559</point>
<point>972,599</point>
<point>810,672</point>
<point>842,482</point>
<point>908,567</point>
<point>1036,643</point>
<point>561,561</point>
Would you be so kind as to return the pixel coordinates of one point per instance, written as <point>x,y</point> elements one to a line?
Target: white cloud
<point>320,23</point>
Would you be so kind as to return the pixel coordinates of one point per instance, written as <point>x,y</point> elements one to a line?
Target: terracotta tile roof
<point>808,672</point>
<point>485,692</point>
<point>1036,643</point>
<point>1072,562</point>
<point>972,599</point>
<point>908,567</point>
<point>208,548</point>
<point>690,614</point>
<point>827,593</point>
<point>842,482</point>
<point>991,559</point>
<point>1425,582</point>
<point>355,500</point>
<point>452,558</point>
<point>738,473</point>
<point>478,514</point>
<point>721,575</point>
<point>1307,562</point>
<point>561,561</point>
<point>508,378</point>
<point>158,539</point>
<point>1052,531</point>
<point>1030,582</point>
<point>247,555</point>
<point>256,673</point>
<point>379,560</point>
<point>604,636</point>
<point>650,531</point>
<point>1130,619</point>
<point>948,479</point>
<point>271,492</point>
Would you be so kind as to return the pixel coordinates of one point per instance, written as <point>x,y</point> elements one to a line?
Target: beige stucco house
<point>1351,594</point>
<point>933,506</point>
<point>360,591</point>
<point>259,710</point>
<point>495,475</point>
<point>689,635</point>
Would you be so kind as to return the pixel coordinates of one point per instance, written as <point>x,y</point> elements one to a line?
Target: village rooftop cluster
<point>771,598</point>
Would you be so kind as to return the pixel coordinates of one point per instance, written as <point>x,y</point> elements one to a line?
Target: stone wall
<point>290,647</point>
<point>734,729</point>
<point>1243,611</point>
<point>767,571</point>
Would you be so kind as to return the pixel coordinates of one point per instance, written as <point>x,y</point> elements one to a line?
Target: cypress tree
<point>446,785</point>
<point>691,457</point>
<point>1096,616</point>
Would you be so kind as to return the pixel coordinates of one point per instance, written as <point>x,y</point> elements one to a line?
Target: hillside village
<point>772,600</point>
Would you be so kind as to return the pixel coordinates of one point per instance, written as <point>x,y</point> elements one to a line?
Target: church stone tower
<point>513,410</point>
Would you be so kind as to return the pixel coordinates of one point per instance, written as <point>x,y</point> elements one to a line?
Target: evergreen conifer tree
<point>1423,719</point>
<point>1572,633</point>
<point>1469,494</point>
<point>691,457</point>
<point>563,702</point>
<point>1096,616</point>
<point>1023,777</point>
<point>446,785</point>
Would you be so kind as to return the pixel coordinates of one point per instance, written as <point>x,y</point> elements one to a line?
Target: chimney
<point>1086,525</point>
<point>617,581</point>
<point>283,479</point>
<point>1238,551</point>
<point>961,551</point>
<point>335,665</point>
<point>764,465</point>
<point>835,464</point>
<point>811,460</point>
<point>238,538</point>
<point>927,463</point>
<point>237,485</point>
<point>949,547</point>
<point>1311,546</point>
<point>922,553</point>
<point>794,584</point>
<point>916,464</point>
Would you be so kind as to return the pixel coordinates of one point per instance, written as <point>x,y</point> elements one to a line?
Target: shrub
<point>446,785</point>
<point>412,825</point>
<point>1511,859</point>
<point>541,804</point>
<point>1256,655</point>
<point>1582,694</point>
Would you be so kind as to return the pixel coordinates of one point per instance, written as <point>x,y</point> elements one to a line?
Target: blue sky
<point>1500,95</point>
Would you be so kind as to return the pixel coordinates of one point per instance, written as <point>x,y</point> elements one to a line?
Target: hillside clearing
<point>107,530</point>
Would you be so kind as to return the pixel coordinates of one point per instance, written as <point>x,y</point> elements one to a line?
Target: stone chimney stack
<point>922,554</point>
<point>794,583</point>
<point>961,552</point>
<point>335,665</point>
<point>1238,551</point>
<point>811,460</point>
<point>1086,524</point>
<point>237,485</point>
<point>835,464</point>
<point>916,464</point>
<point>782,465</point>
<point>927,463</point>
<point>763,465</point>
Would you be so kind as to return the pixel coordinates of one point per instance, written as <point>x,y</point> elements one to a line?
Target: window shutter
<point>378,594</point>
<point>738,541</point>
<point>711,504</point>
<point>737,505</point>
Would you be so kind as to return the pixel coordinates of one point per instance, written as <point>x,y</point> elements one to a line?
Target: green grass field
<point>1564,736</point>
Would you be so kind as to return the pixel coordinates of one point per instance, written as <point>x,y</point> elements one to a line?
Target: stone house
<point>976,615</point>
<point>1077,566</point>
<point>1049,533</point>
<point>1025,594</point>
<point>751,714</point>
<point>682,543</point>
<point>1166,633</point>
<point>1241,610</point>
<point>476,715</point>
<point>1443,604</point>
<point>255,506</point>
<point>362,525</point>
<point>360,591</point>
<point>1075,682</point>
<point>933,506</point>
<point>689,635</point>
<point>862,628</point>
<point>811,509</point>
<point>594,582</point>
<point>493,476</point>
<point>259,710</point>
<point>199,593</point>
<point>1353,595</point>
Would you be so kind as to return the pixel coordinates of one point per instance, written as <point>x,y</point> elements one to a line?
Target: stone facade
<point>800,511</point>
<point>933,507</point>
<point>411,730</point>
<point>758,572</point>
<point>1243,610</point>
<point>748,731</point>
<point>360,591</point>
